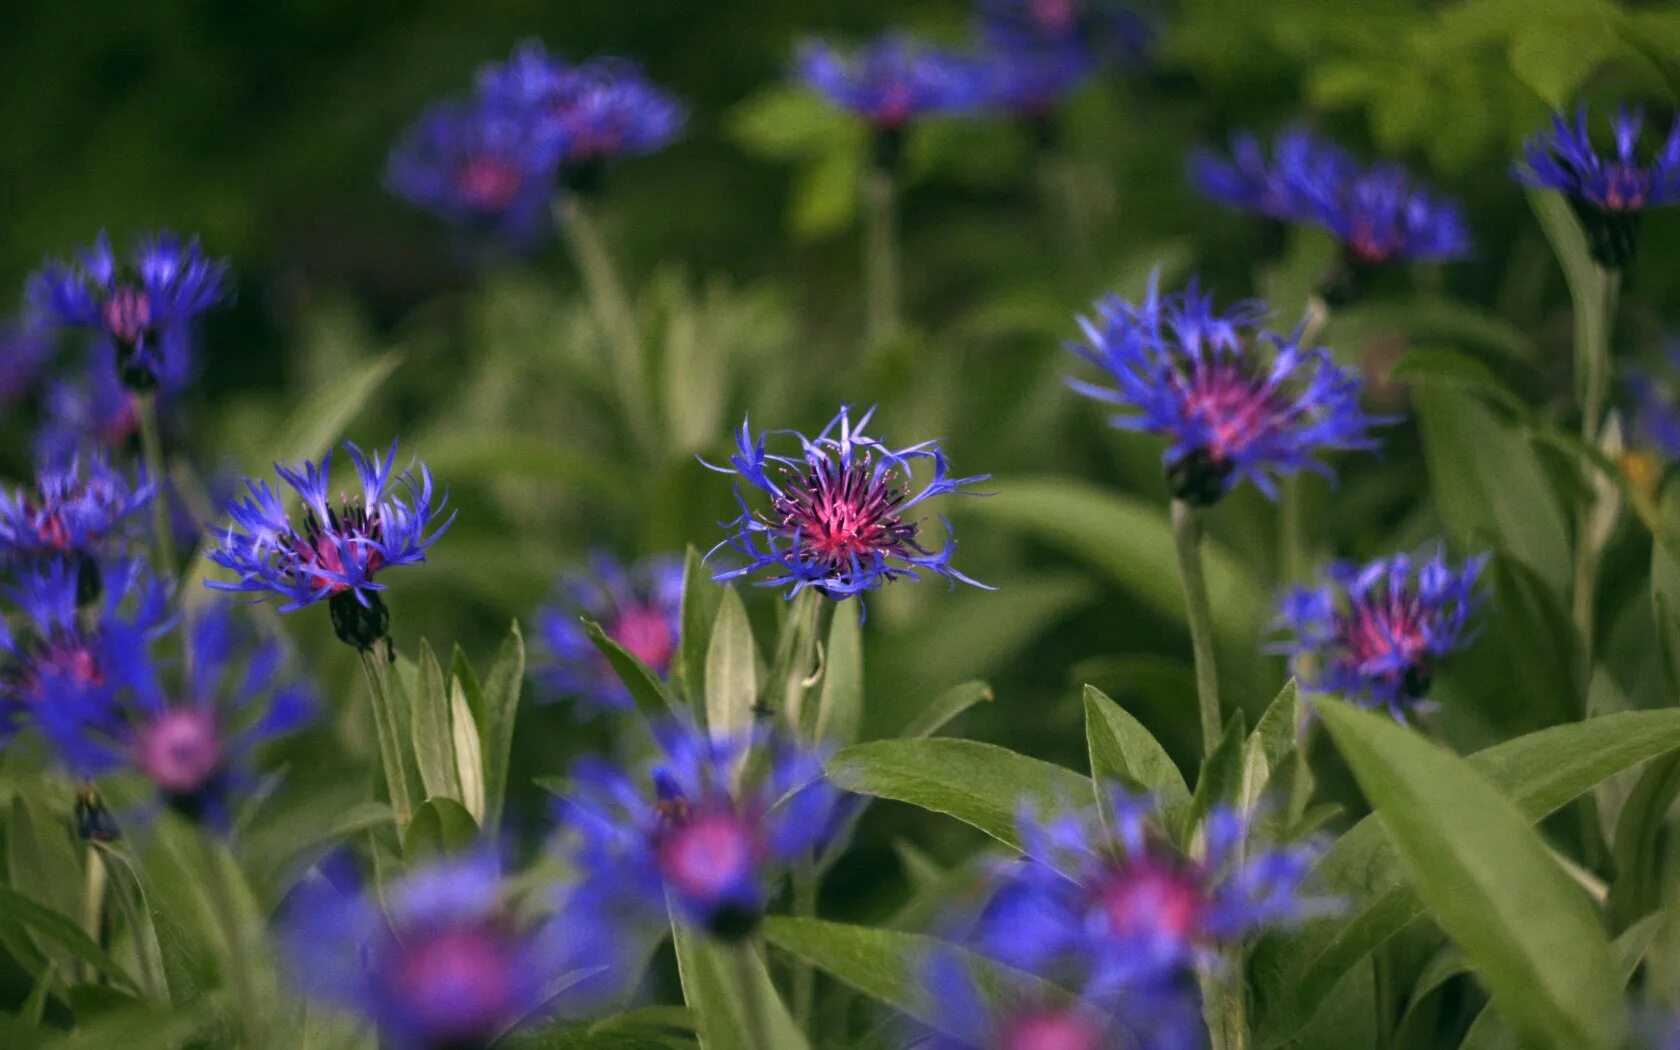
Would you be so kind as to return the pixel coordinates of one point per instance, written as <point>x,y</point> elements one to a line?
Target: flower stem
<point>218,889</point>
<point>93,903</point>
<point>1592,384</point>
<point>1226,1009</point>
<point>610,303</point>
<point>1187,537</point>
<point>756,1013</point>
<point>880,261</point>
<point>151,452</point>
<point>385,724</point>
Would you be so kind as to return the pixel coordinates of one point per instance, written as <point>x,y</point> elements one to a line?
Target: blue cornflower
<point>334,553</point>
<point>1375,633</point>
<point>1230,410</point>
<point>837,511</point>
<point>53,649</point>
<point>1608,192</point>
<point>481,166</point>
<point>638,606</point>
<point>1032,83</point>
<point>442,957</point>
<point>92,410</point>
<point>73,512</point>
<point>1653,398</point>
<point>1096,29</point>
<point>712,846</point>
<point>193,740</point>
<point>24,350</point>
<point>893,81</point>
<point>146,309</point>
<point>1379,213</point>
<point>596,111</point>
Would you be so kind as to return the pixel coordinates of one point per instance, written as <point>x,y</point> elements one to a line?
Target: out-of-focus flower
<point>837,518</point>
<point>1099,30</point>
<point>894,80</point>
<point>335,552</point>
<point>93,409</point>
<point>638,606</point>
<point>1032,83</point>
<point>593,112</point>
<point>1375,633</point>
<point>483,167</point>
<point>1652,401</point>
<point>443,958</point>
<point>1608,192</point>
<point>53,649</point>
<point>192,740</point>
<point>146,309</point>
<point>1230,409</point>
<point>712,847</point>
<point>72,513</point>
<point>1379,213</point>
<point>24,350</point>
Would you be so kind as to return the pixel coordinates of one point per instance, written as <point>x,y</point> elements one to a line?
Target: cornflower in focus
<point>334,552</point>
<point>1608,191</point>
<point>1231,411</point>
<point>1375,633</point>
<point>892,83</point>
<point>638,606</point>
<point>837,517</point>
<point>715,850</point>
<point>73,513</point>
<point>144,308</point>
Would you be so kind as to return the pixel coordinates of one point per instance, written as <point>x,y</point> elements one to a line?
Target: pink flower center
<point>647,634</point>
<point>1054,17</point>
<point>127,314</point>
<point>1049,1030</point>
<point>1234,409</point>
<point>839,514</point>
<point>707,853</point>
<point>1150,900</point>
<point>457,984</point>
<point>1386,636</point>
<point>1626,188</point>
<point>488,183</point>
<point>180,750</point>
<point>318,549</point>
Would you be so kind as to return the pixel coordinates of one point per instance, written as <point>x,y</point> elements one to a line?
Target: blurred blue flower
<point>638,606</point>
<point>481,166</point>
<point>1375,632</point>
<point>894,80</point>
<point>1230,410</point>
<point>335,552</point>
<point>192,739</point>
<point>24,350</point>
<point>1378,213</point>
<point>1653,401</point>
<point>712,847</point>
<point>837,511</point>
<point>595,111</point>
<point>443,957</point>
<point>1097,30</point>
<point>144,309</point>
<point>1032,83</point>
<point>53,648</point>
<point>74,511</point>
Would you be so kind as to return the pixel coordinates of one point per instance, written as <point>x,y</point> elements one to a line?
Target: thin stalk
<point>93,903</point>
<point>385,725</point>
<point>805,885</point>
<point>1187,538</point>
<point>151,452</point>
<point>610,303</point>
<point>757,1013</point>
<point>1226,1008</point>
<point>880,258</point>
<point>220,894</point>
<point>1592,382</point>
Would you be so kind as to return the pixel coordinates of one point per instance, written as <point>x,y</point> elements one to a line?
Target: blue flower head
<point>1234,401</point>
<point>93,410</point>
<point>1096,30</point>
<point>481,166</point>
<point>838,516</point>
<point>1378,213</point>
<point>1609,191</point>
<point>1032,83</point>
<point>80,510</point>
<point>191,736</point>
<point>711,846</point>
<point>53,651</point>
<point>145,306</point>
<point>638,606</point>
<point>892,83</point>
<point>1653,403</point>
<point>24,351</point>
<point>1375,633</point>
<point>332,552</point>
<point>594,112</point>
<point>445,956</point>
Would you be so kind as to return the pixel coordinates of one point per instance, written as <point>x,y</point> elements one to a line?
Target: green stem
<point>610,303</point>
<point>93,902</point>
<point>151,452</point>
<point>219,890</point>
<point>805,884</point>
<point>881,256</point>
<point>1226,1008</point>
<point>385,725</point>
<point>1592,383</point>
<point>756,1011</point>
<point>1187,537</point>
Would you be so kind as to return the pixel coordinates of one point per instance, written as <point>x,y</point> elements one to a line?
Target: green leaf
<point>442,827</point>
<point>1541,772</point>
<point>946,706</point>
<point>731,668</point>
<point>1122,750</point>
<point>1451,366</point>
<point>652,698</point>
<point>469,751</point>
<point>1640,834</point>
<point>44,864</point>
<point>60,932</point>
<point>700,599</point>
<point>1556,59</point>
<point>329,410</point>
<point>840,711</point>
<point>1220,777</point>
<point>717,980</point>
<point>1488,879</point>
<point>434,744</point>
<point>495,707</point>
<point>979,784</point>
<point>1274,740</point>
